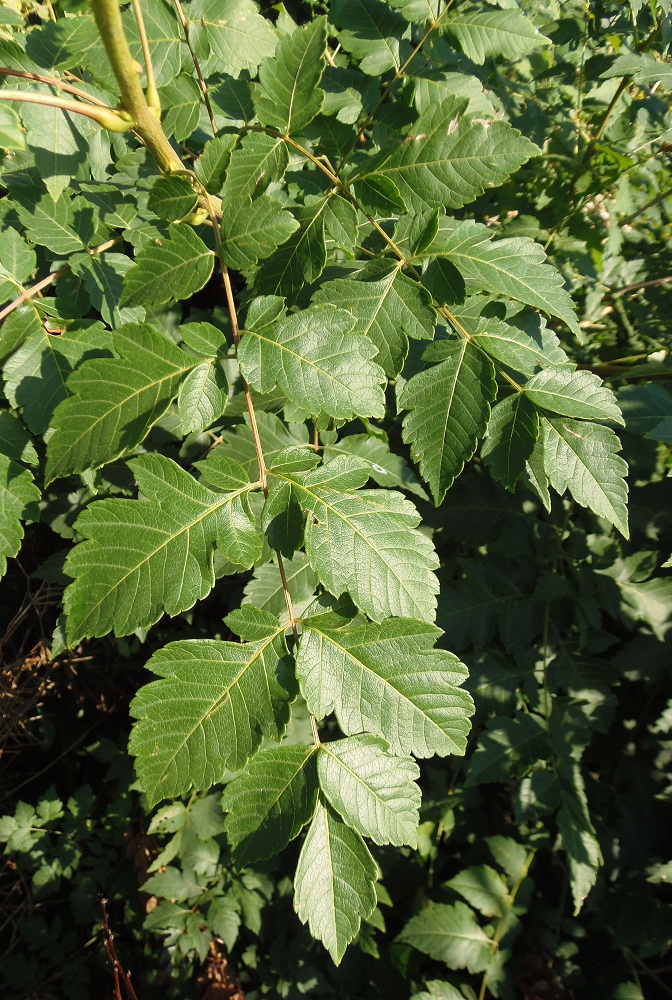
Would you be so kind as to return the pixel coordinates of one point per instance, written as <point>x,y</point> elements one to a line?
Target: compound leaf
<point>512,432</point>
<point>288,96</point>
<point>238,36</point>
<point>493,33</point>
<point>172,267</point>
<point>574,394</point>
<point>334,885</point>
<point>251,230</point>
<point>449,934</point>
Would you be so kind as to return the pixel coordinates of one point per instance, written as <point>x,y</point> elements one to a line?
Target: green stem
<point>151,92</point>
<point>133,100</point>
<point>107,117</point>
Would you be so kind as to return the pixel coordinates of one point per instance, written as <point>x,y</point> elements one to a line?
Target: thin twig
<point>197,66</point>
<point>118,971</point>
<point>51,81</point>
<point>151,92</point>
<point>629,219</point>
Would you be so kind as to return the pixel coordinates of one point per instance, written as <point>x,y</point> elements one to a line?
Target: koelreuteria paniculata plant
<point>314,177</point>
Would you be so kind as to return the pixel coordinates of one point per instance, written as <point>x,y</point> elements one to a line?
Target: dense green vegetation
<point>335,505</point>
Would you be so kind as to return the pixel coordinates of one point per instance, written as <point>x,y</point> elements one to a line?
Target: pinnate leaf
<point>143,557</point>
<point>492,33</point>
<point>288,96</point>
<point>512,432</point>
<point>316,359</point>
<point>371,32</point>
<point>574,394</point>
<point>172,198</point>
<point>202,396</point>
<point>208,713</point>
<point>334,885</point>
<point>449,934</point>
<point>582,457</point>
<point>269,804</point>
<point>265,590</point>
<point>449,408</point>
<point>170,268</point>
<point>238,35</point>
<point>388,680</point>
<point>373,791</point>
<point>251,230</point>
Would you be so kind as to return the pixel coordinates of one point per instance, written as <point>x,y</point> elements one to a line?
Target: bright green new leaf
<point>449,408</point>
<point>374,791</point>
<point>389,680</point>
<point>269,804</point>
<point>208,713</point>
<point>251,230</point>
<point>449,934</point>
<point>170,268</point>
<point>318,361</point>
<point>574,394</point>
<point>582,457</point>
<point>447,160</point>
<point>512,432</point>
<point>238,36</point>
<point>113,402</point>
<point>493,33</point>
<point>19,499</point>
<point>143,557</point>
<point>372,528</point>
<point>202,396</point>
<point>388,308</point>
<point>514,267</point>
<point>334,885</point>
<point>288,96</point>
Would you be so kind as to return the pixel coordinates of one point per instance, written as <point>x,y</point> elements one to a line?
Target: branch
<point>107,117</point>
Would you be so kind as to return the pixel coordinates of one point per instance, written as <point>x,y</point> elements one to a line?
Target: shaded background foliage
<point>563,624</point>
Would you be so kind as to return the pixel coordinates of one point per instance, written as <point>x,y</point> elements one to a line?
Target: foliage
<point>362,347</point>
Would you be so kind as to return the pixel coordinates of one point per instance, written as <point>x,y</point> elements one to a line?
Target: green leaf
<point>164,38</point>
<point>15,441</point>
<point>115,401</point>
<point>202,396</point>
<point>375,792</point>
<point>578,833</point>
<point>302,258</point>
<point>50,223</point>
<point>508,748</point>
<point>212,164</point>
<point>171,268</point>
<point>449,934</point>
<point>438,990</point>
<point>172,198</point>
<point>317,360</point>
<point>371,32</point>
<point>449,408</point>
<point>182,97</point>
<point>493,33</point>
<point>334,885</point>
<point>269,804</point>
<point>19,499</point>
<point>582,457</point>
<point>144,557</point>
<point>282,519</point>
<point>36,375</point>
<point>574,394</point>
<point>252,230</point>
<point>379,196</point>
<point>388,307</point>
<point>515,267</point>
<point>265,590</point>
<point>512,432</point>
<point>288,96</point>
<point>257,162</point>
<point>208,713</point>
<point>447,160</point>
<point>484,889</point>
<point>372,528</point>
<point>524,348</point>
<point>237,34</point>
<point>274,436</point>
<point>386,468</point>
<point>17,263</point>
<point>103,279</point>
<point>386,679</point>
<point>340,222</point>
<point>56,139</point>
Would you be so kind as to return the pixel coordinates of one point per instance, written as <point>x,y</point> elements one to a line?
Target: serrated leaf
<point>317,360</point>
<point>371,32</point>
<point>484,889</point>
<point>582,457</point>
<point>212,164</point>
<point>208,713</point>
<point>164,38</point>
<point>15,441</point>
<point>170,268</point>
<point>388,308</point>
<point>508,748</point>
<point>36,375</point>
<point>372,528</point>
<point>334,885</point>
<point>17,262</point>
<point>447,160</point>
<point>515,267</point>
<point>182,97</point>
<point>172,198</point>
<point>301,258</point>
<point>265,590</point>
<point>115,401</point>
<point>512,432</point>
<point>525,348</point>
<point>238,35</point>
<point>256,163</point>
<point>574,394</point>
<point>274,435</point>
<point>493,33</point>
<point>388,680</point>
<point>202,396</point>
<point>449,934</point>
<point>386,468</point>
<point>103,276</point>
<point>49,222</point>
<point>288,96</point>
<point>144,557</point>
<point>56,139</point>
<point>19,499</point>
<point>578,833</point>
<point>374,791</point>
<point>282,519</point>
<point>269,804</point>
<point>449,408</point>
<point>379,196</point>
<point>252,230</point>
